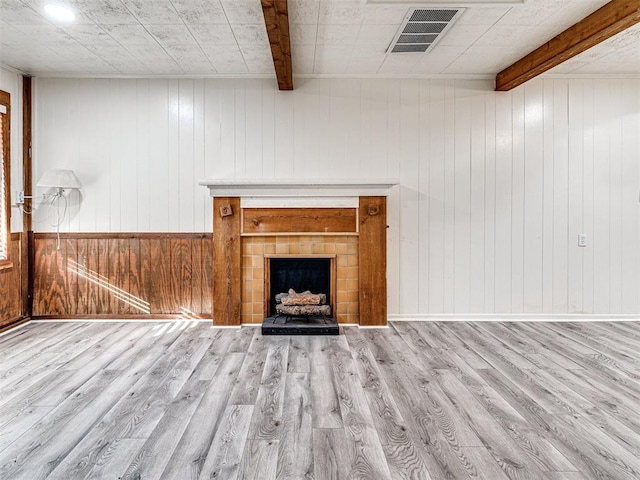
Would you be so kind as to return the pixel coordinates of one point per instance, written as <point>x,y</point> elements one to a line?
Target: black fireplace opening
<point>301,274</point>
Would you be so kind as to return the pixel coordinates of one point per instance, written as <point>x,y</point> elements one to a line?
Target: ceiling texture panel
<point>328,37</point>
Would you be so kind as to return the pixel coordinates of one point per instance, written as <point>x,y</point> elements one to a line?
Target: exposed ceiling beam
<point>612,18</point>
<point>276,18</point>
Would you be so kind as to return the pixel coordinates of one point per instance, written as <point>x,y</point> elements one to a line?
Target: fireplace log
<point>299,310</point>
<point>304,298</point>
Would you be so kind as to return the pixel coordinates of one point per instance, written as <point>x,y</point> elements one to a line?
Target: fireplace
<point>254,220</point>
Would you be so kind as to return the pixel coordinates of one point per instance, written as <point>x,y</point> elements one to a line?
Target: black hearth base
<point>308,325</point>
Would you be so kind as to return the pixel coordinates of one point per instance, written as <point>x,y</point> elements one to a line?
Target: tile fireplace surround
<point>258,219</point>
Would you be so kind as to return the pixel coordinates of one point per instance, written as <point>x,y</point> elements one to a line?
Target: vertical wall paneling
<point>533,185</point>
<point>629,113</point>
<point>436,155</point>
<point>503,205</point>
<point>478,151</point>
<point>200,195</point>
<point>123,275</point>
<point>449,197</point>
<point>409,196</point>
<point>144,163</point>
<point>517,199</point>
<point>127,157</point>
<point>377,140</point>
<point>158,125</point>
<point>186,155</point>
<point>495,186</point>
<point>560,247</point>
<point>577,133</point>
<point>603,164</point>
<point>588,198</point>
<point>462,197</point>
<point>392,96</point>
<point>284,140</point>
<point>240,131</point>
<point>490,205</point>
<point>173,155</point>
<point>254,129</point>
<point>299,99</point>
<point>268,129</point>
<point>547,195</point>
<point>616,183</point>
<point>423,198</point>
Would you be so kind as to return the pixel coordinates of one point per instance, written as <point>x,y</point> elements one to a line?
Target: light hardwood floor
<point>454,400</point>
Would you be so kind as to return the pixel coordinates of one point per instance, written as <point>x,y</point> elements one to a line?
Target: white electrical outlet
<point>582,239</point>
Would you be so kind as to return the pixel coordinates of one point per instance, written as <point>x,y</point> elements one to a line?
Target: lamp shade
<point>59,179</point>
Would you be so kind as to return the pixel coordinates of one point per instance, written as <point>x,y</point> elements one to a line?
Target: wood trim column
<point>26,247</point>
<point>227,272</point>
<point>372,254</point>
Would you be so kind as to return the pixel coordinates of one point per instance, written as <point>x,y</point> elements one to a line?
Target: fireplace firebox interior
<point>300,274</point>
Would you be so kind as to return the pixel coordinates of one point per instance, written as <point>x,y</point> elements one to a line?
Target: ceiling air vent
<point>422,28</point>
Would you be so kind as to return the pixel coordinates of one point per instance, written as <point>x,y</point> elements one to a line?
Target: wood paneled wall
<point>11,293</point>
<point>494,187</point>
<point>123,275</point>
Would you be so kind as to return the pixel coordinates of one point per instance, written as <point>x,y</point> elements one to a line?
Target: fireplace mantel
<point>293,187</point>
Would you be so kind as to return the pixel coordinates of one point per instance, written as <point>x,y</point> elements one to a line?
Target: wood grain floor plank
<point>330,458</point>
<point>259,461</point>
<point>137,413</point>
<point>420,400</point>
<point>366,455</point>
<point>325,404</point>
<point>245,391</point>
<point>191,452</point>
<point>216,352</point>
<point>511,459</point>
<point>151,460</point>
<point>227,448</point>
<point>612,356</point>
<point>299,354</point>
<point>422,417</point>
<point>295,458</point>
<point>541,452</point>
<point>266,423</point>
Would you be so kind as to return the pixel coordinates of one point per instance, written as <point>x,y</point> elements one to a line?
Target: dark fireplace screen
<point>300,274</point>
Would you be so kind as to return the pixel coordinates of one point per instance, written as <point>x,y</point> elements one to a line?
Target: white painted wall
<point>12,82</point>
<point>495,187</point>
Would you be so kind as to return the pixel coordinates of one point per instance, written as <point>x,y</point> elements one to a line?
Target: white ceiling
<point>228,37</point>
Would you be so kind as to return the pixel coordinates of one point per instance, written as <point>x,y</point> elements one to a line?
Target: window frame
<point>5,100</point>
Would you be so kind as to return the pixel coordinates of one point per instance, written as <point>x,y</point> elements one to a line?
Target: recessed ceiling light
<point>60,13</point>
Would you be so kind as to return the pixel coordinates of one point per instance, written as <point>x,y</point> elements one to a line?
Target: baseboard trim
<point>9,327</point>
<point>514,317</point>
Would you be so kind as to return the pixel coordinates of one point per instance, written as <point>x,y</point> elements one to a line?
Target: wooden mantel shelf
<point>282,187</point>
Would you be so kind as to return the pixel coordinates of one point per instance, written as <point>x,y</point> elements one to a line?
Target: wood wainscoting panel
<point>227,255</point>
<point>11,285</point>
<point>264,221</point>
<point>372,270</point>
<point>123,275</point>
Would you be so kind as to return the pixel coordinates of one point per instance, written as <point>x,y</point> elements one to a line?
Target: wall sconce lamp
<point>60,180</point>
